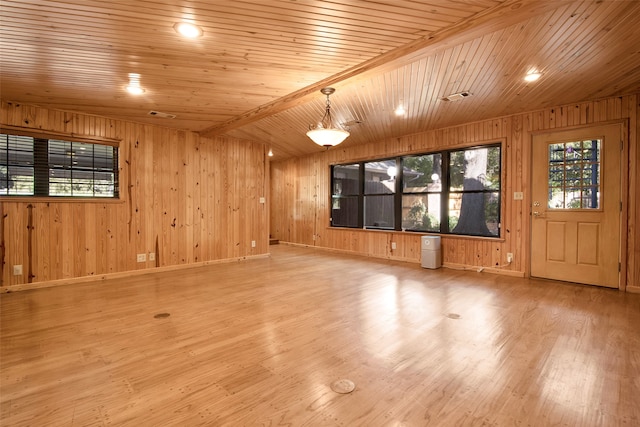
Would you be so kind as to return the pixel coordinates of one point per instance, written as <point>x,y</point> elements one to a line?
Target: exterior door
<point>575,223</point>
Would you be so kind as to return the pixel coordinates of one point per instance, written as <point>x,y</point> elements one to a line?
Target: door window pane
<point>574,175</point>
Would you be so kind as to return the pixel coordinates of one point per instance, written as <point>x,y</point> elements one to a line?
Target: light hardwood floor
<point>259,342</point>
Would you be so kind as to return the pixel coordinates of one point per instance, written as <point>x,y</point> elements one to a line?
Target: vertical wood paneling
<point>138,191</point>
<point>41,260</point>
<point>633,225</point>
<point>173,185</point>
<point>162,194</point>
<point>171,206</point>
<point>291,183</point>
<point>216,192</point>
<point>90,247</point>
<point>102,239</point>
<point>55,235</point>
<point>110,236</point>
<point>195,200</point>
<point>77,243</point>
<point>179,197</point>
<point>67,237</point>
<point>210,183</point>
<point>147,204</point>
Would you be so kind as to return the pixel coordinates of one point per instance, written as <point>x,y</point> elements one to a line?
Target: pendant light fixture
<point>325,133</point>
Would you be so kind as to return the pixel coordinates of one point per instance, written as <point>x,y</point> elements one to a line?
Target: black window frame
<point>445,192</point>
<point>345,192</point>
<point>59,164</point>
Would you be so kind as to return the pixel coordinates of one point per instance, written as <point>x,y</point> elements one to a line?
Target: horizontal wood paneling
<point>515,132</point>
<point>257,70</point>
<point>576,41</point>
<point>191,199</point>
<point>251,51</point>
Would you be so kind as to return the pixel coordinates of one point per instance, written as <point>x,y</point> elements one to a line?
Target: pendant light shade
<point>325,133</point>
<point>327,137</point>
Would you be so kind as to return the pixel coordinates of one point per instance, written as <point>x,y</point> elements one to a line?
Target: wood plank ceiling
<point>257,70</point>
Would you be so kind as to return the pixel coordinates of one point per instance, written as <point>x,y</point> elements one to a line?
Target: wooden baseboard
<point>633,289</point>
<point>100,277</point>
<point>344,251</point>
<point>414,261</point>
<point>479,269</point>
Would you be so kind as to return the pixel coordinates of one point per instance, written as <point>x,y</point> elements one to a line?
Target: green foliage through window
<point>574,175</point>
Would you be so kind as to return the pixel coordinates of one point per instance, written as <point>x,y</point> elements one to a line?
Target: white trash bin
<point>431,252</point>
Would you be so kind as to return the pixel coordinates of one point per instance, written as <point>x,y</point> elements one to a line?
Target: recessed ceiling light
<point>532,77</point>
<point>270,152</point>
<point>400,111</point>
<point>134,87</point>
<point>188,30</point>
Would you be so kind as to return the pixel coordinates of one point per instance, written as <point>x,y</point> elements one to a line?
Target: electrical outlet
<point>17,270</point>
<point>142,257</point>
<point>262,200</point>
<point>152,256</point>
<point>393,245</point>
<point>253,243</point>
<point>509,257</point>
<point>518,195</point>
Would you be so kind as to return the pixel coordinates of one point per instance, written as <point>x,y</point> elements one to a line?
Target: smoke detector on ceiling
<point>457,96</point>
<point>162,115</point>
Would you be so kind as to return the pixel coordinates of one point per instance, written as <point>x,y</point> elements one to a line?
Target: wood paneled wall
<point>300,190</point>
<point>187,198</point>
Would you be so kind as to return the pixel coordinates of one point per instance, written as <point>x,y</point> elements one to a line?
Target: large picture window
<point>56,168</point>
<point>450,191</point>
